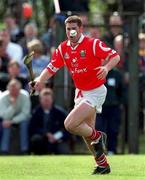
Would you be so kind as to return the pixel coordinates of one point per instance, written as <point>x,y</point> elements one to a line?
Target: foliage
<point>3,7</point>
<point>42,12</point>
<point>97,6</point>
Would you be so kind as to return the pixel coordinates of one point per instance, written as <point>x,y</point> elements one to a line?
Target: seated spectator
<point>47,127</point>
<point>10,50</point>
<point>30,33</point>
<point>35,98</point>
<point>15,32</point>
<point>14,111</point>
<point>13,73</point>
<point>39,61</point>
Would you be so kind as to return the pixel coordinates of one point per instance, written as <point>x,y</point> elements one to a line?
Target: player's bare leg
<point>91,123</point>
<point>76,123</point>
<point>98,158</point>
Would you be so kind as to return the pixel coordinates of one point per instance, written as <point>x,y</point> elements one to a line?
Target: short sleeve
<point>56,61</point>
<point>101,51</point>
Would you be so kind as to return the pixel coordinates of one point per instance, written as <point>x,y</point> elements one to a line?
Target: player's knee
<point>68,126</point>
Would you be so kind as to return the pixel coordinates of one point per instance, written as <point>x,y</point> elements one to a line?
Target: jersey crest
<point>83,53</point>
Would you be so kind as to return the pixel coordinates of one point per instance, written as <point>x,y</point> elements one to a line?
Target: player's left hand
<point>102,72</point>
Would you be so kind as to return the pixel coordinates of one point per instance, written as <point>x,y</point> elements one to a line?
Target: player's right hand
<point>31,86</point>
<point>102,72</point>
<point>35,85</point>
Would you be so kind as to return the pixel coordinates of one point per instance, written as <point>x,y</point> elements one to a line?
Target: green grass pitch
<point>126,167</point>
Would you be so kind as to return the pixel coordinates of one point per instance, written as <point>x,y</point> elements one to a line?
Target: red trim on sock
<point>95,134</point>
<point>101,161</point>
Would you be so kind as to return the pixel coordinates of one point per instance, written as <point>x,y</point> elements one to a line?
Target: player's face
<point>73,26</point>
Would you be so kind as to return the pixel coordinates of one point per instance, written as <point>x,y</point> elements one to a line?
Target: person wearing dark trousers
<point>47,134</point>
<point>110,119</point>
<point>15,108</point>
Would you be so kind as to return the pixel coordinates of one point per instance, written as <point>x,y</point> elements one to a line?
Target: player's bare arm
<point>103,70</point>
<point>44,76</point>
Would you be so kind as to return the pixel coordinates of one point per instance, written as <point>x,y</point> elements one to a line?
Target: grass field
<point>127,167</point>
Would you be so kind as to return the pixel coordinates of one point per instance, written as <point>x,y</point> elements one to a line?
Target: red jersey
<point>82,61</point>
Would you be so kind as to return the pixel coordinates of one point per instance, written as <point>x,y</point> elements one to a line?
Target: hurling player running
<point>88,60</point>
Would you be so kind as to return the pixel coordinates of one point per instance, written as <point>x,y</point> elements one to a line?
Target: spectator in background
<point>4,58</point>
<point>142,53</point>
<point>85,20</point>
<point>141,63</point>
<point>88,29</point>
<point>8,49</point>
<point>118,46</point>
<point>13,73</point>
<point>47,127</point>
<point>95,32</point>
<point>35,98</point>
<point>49,38</point>
<point>14,30</point>
<point>30,33</point>
<point>14,111</point>
<point>115,23</point>
<point>110,119</point>
<point>39,60</point>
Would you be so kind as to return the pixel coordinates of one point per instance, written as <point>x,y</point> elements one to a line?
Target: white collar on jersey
<point>79,41</point>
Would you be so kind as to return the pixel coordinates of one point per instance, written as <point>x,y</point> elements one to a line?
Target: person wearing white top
<point>15,110</point>
<point>13,50</point>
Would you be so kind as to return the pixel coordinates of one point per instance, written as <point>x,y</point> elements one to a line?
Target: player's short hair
<point>74,19</point>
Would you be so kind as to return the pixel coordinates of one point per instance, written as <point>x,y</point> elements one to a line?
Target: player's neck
<point>73,44</point>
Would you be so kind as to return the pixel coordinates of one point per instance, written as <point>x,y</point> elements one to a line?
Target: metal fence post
<point>133,92</point>
<point>59,77</point>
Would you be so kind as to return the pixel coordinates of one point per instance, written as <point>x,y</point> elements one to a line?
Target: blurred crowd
<point>37,121</point>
